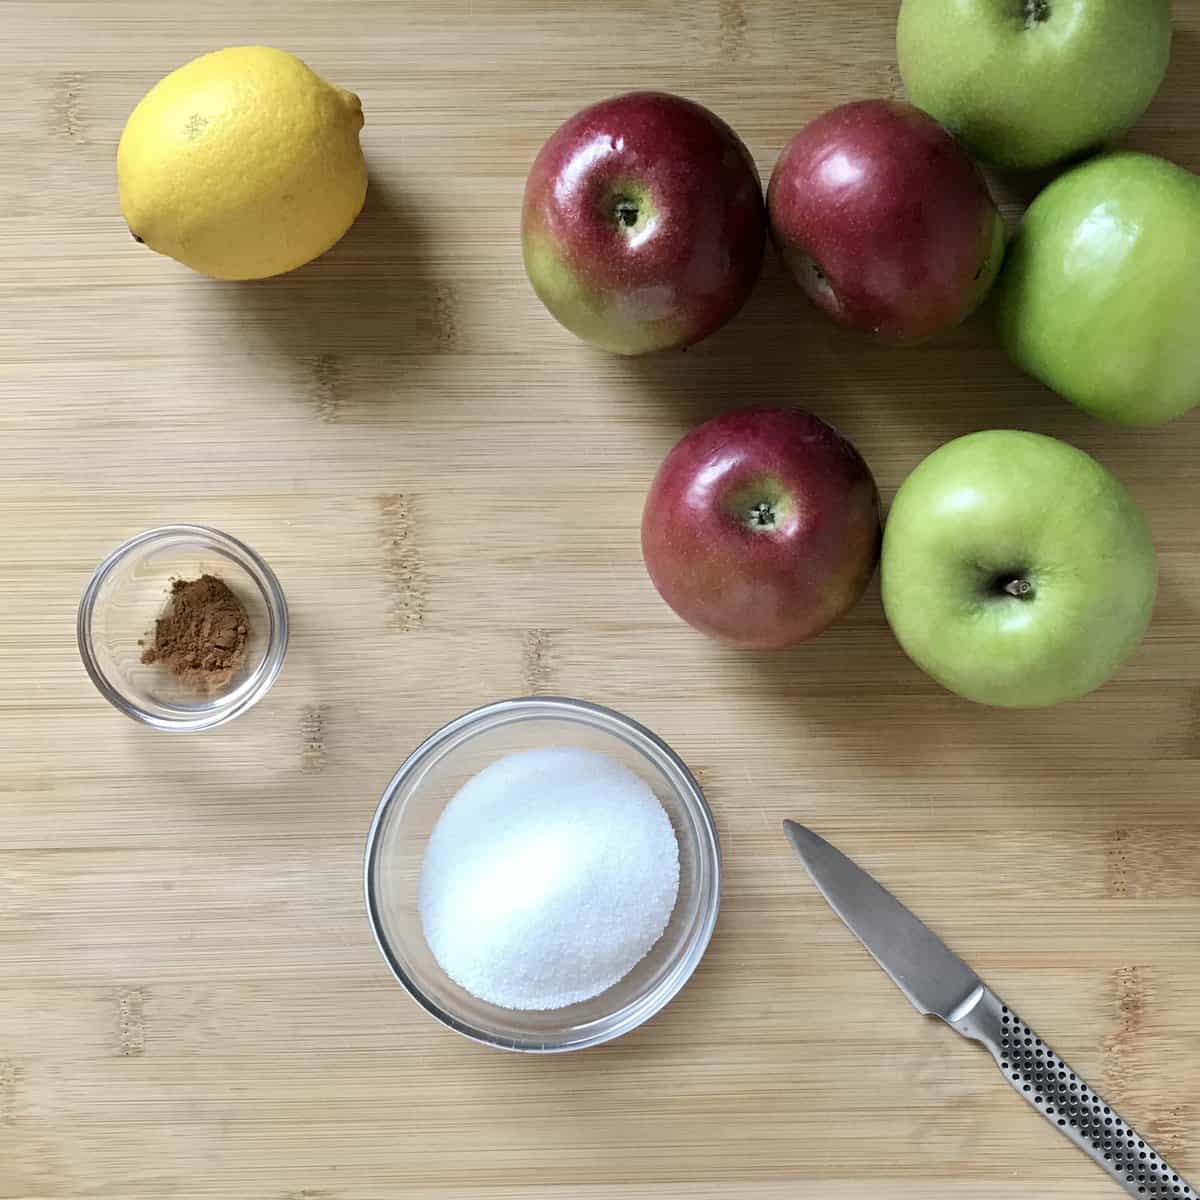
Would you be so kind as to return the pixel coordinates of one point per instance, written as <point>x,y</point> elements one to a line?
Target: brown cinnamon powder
<point>201,637</point>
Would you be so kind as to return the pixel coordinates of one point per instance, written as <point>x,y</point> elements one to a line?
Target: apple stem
<point>1019,588</point>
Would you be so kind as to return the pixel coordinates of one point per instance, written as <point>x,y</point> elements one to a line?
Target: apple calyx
<point>762,505</point>
<point>1036,11</point>
<point>762,516</point>
<point>1017,587</point>
<point>625,212</point>
<point>627,209</point>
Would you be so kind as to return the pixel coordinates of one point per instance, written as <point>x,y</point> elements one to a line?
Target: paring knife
<point>939,983</point>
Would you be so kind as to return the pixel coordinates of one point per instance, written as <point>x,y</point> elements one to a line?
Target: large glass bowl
<point>410,808</point>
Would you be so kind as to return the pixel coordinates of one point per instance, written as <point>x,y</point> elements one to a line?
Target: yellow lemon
<point>242,164</point>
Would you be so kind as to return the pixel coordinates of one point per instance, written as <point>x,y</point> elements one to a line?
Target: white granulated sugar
<point>547,878</point>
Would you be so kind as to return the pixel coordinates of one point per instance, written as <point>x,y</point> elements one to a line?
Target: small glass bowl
<point>130,590</point>
<point>410,808</point>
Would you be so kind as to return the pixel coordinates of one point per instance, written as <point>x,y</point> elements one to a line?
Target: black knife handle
<point>1074,1109</point>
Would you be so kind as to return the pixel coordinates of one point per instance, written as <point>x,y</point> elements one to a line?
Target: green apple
<point>1100,296</point>
<point>1027,83</point>
<point>1016,570</point>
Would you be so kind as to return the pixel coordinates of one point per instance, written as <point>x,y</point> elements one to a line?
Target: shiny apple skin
<point>691,258</point>
<point>885,221</point>
<point>753,586</point>
<point>1100,294</point>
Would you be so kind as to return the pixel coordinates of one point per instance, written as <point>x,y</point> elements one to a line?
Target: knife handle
<point>1073,1108</point>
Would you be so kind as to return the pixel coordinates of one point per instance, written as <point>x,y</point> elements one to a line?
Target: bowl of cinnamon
<point>183,628</point>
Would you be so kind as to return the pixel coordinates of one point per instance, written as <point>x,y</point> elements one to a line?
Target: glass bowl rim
<point>246,696</point>
<point>636,1012</point>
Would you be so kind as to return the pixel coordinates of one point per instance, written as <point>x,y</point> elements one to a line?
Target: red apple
<point>643,225</point>
<point>885,221</point>
<point>762,527</point>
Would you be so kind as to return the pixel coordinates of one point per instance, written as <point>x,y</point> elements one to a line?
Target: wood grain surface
<point>449,487</point>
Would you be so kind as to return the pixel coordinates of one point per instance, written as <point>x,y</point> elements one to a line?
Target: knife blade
<point>938,983</point>
<point>935,980</point>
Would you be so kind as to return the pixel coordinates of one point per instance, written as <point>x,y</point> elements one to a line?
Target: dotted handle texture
<point>1079,1114</point>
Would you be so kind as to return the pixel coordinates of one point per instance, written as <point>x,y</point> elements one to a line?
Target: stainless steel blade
<point>935,979</point>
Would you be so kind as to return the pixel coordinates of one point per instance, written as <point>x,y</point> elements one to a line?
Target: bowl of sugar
<point>543,875</point>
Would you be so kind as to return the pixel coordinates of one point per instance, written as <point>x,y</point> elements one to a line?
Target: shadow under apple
<point>851,695</point>
<point>775,351</point>
<point>896,404</point>
<point>1167,127</point>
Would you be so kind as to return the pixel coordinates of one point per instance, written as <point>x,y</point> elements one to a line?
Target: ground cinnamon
<point>201,637</point>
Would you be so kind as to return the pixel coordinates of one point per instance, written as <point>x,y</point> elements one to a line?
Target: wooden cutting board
<point>450,487</point>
